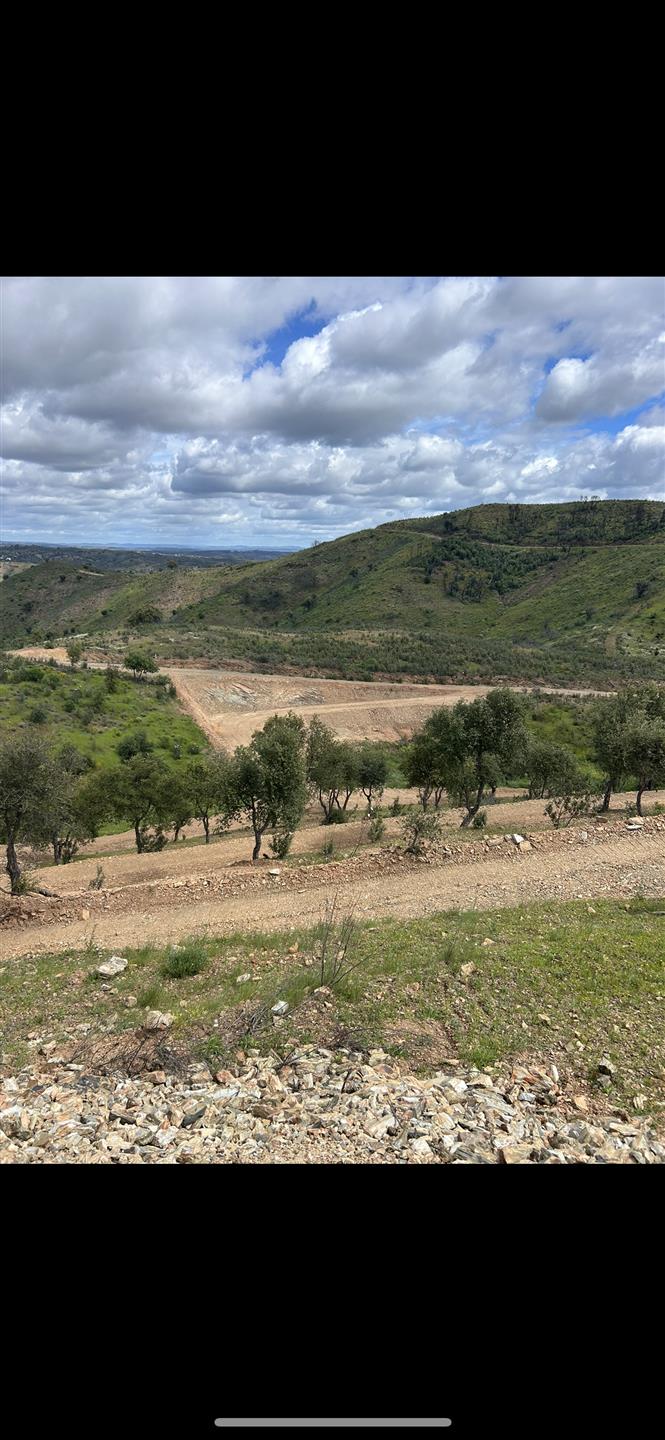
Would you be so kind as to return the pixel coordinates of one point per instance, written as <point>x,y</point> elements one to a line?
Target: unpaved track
<point>129,868</point>
<point>630,865</point>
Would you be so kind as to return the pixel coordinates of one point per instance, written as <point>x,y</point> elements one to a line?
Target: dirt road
<point>618,865</point>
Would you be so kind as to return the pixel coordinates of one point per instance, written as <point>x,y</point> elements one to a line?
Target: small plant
<point>38,715</point>
<point>396,808</point>
<point>337,817</point>
<point>565,808</point>
<point>377,826</point>
<point>97,882</point>
<point>419,831</point>
<point>26,884</point>
<point>631,809</point>
<point>280,843</point>
<point>190,958</point>
<point>150,998</point>
<point>336,943</point>
<point>152,840</point>
<point>328,849</point>
<point>479,820</point>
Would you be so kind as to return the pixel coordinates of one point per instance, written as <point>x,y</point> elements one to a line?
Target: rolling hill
<point>581,584</point>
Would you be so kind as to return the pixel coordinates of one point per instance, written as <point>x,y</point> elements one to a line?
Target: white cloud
<point>147,406</point>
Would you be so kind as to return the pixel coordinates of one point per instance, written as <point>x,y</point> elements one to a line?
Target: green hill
<point>582,583</point>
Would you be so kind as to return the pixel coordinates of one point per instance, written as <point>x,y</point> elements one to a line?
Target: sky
<point>278,411</point>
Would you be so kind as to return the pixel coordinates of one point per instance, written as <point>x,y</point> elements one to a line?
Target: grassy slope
<point>132,706</point>
<point>596,972</point>
<point>552,577</point>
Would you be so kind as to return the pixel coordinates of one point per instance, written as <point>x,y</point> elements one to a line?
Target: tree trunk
<point>12,867</point>
<point>139,841</point>
<point>606,798</point>
<point>57,849</point>
<point>258,836</point>
<point>638,801</point>
<point>472,809</point>
<point>206,827</point>
<point>176,832</point>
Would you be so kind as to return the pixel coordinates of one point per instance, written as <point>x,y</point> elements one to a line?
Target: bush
<point>38,715</point>
<point>281,843</point>
<point>566,808</point>
<point>337,817</point>
<point>396,808</point>
<point>328,849</point>
<point>97,882</point>
<point>187,959</point>
<point>136,744</point>
<point>419,831</point>
<point>480,820</point>
<point>376,830</point>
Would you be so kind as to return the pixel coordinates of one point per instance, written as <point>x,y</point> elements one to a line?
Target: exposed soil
<point>559,866</point>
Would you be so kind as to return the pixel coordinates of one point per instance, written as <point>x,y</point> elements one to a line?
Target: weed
<point>190,958</point>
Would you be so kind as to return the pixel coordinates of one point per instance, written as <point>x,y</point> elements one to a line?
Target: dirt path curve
<point>630,865</point>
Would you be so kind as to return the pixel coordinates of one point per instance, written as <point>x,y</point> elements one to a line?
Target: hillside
<point>584,579</point>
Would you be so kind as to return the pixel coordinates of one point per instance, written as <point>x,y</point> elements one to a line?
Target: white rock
<point>158,1020</point>
<point>241,979</point>
<point>281,1008</point>
<point>114,966</point>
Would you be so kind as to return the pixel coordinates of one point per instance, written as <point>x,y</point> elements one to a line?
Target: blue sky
<point>281,410</point>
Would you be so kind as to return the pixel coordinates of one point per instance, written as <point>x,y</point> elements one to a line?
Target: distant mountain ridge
<point>578,574</point>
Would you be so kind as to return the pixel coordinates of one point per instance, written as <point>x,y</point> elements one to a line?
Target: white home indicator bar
<point>342,1424</point>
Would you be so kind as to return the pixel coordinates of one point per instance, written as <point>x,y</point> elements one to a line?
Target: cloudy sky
<point>278,411</point>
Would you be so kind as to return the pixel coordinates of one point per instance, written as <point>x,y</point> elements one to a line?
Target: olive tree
<point>207,779</point>
<point>476,745</point>
<point>140,663</point>
<point>372,773</point>
<point>29,780</point>
<point>138,793</point>
<point>268,779</point>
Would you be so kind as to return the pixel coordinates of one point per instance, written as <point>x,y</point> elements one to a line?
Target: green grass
<point>597,972</point>
<point>80,711</point>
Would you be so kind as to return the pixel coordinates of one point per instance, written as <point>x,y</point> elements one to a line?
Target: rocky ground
<point>315,1107</point>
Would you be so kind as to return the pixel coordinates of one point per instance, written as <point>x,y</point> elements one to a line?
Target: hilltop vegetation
<point>95,712</point>
<point>573,591</point>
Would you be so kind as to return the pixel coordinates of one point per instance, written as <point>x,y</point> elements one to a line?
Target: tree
<point>74,652</point>
<point>28,783</point>
<point>208,782</point>
<point>268,777</point>
<point>138,793</point>
<point>372,773</point>
<point>549,768</point>
<point>476,745</point>
<point>424,767</point>
<point>332,768</point>
<point>74,813</point>
<point>645,753</point>
<point>610,721</point>
<point>178,802</point>
<point>140,662</point>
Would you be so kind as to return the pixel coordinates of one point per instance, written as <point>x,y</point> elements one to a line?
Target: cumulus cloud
<point>285,409</point>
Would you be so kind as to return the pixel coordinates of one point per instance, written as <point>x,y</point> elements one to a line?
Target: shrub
<point>566,808</point>
<point>419,831</point>
<point>328,848</point>
<point>281,843</point>
<point>376,829</point>
<point>97,882</point>
<point>337,817</point>
<point>480,820</point>
<point>38,715</point>
<point>187,959</point>
<point>396,808</point>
